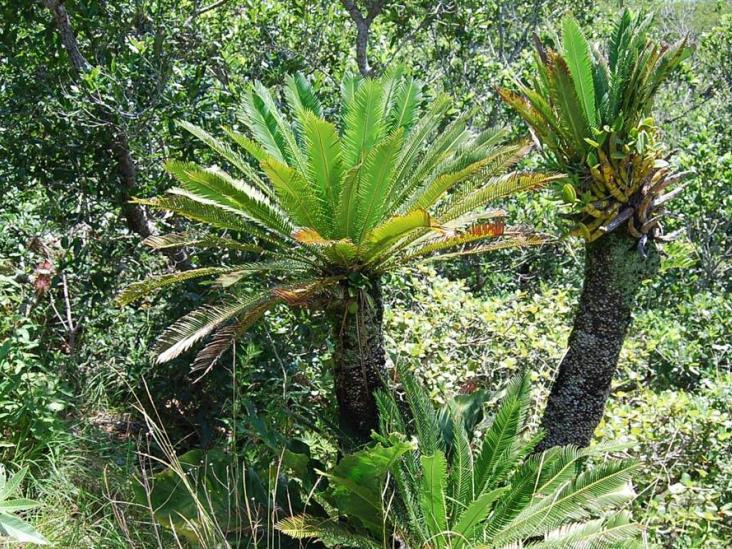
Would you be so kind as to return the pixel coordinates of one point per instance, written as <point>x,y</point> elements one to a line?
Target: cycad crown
<point>394,181</point>
<point>454,490</point>
<point>589,110</point>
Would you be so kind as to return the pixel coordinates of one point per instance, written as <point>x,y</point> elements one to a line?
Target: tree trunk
<point>614,271</point>
<point>359,358</point>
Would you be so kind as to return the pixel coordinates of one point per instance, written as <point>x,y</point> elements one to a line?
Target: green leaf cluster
<point>395,179</point>
<point>453,488</point>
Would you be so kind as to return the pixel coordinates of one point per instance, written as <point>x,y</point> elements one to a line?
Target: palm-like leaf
<point>380,187</point>
<point>447,492</point>
<point>591,116</point>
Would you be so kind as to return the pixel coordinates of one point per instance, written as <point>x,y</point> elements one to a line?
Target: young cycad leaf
<point>404,107</point>
<point>301,96</point>
<point>296,195</point>
<point>579,60</point>
<point>135,291</point>
<point>293,154</point>
<point>324,162</point>
<point>432,496</point>
<point>507,424</point>
<point>473,516</point>
<point>364,122</point>
<point>373,181</point>
<point>263,125</point>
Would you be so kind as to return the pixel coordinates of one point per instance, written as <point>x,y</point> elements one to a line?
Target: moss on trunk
<point>359,358</point>
<point>614,272</point>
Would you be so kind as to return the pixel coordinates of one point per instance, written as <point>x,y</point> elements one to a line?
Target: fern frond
<point>227,153</point>
<point>495,189</point>
<point>138,290</point>
<point>186,331</point>
<point>218,187</point>
<point>579,61</point>
<point>327,530</point>
<point>179,240</point>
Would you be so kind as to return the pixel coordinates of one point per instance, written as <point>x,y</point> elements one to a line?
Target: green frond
<point>295,195</point>
<point>373,182</point>
<point>256,116</point>
<point>327,530</point>
<point>363,123</point>
<point>217,187</point>
<point>186,331</point>
<point>494,189</point>
<point>432,495</point>
<point>249,145</point>
<point>564,97</point>
<point>423,414</point>
<point>180,240</point>
<point>377,241</point>
<point>592,491</point>
<point>293,154</point>
<point>301,96</point>
<point>473,516</point>
<point>460,482</point>
<point>599,533</point>
<point>227,153</point>
<point>324,161</point>
<point>211,214</point>
<point>138,290</point>
<point>579,60</point>
<point>406,105</point>
<point>507,424</point>
<point>429,122</point>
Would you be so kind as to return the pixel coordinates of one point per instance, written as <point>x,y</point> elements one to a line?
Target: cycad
<point>590,111</point>
<point>451,489</point>
<point>330,208</point>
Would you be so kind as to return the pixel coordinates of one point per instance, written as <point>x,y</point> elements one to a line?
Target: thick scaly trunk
<point>614,271</point>
<point>359,359</point>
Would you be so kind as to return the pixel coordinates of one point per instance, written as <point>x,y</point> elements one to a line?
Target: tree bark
<point>614,272</point>
<point>363,21</point>
<point>359,359</point>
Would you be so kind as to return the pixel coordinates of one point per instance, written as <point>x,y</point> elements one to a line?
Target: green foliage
<point>590,115</point>
<point>11,526</point>
<point>362,197</point>
<point>450,492</point>
<point>32,398</point>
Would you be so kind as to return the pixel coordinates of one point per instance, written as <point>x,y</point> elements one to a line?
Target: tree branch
<point>136,216</point>
<point>363,26</point>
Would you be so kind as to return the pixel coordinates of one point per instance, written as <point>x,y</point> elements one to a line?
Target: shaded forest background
<point>81,135</point>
